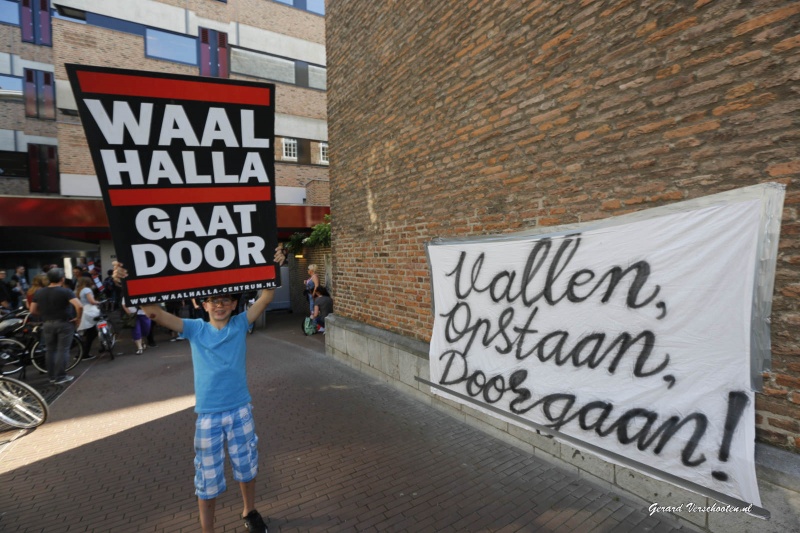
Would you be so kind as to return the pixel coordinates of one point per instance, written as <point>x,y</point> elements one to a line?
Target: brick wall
<point>12,115</point>
<point>466,118</point>
<point>280,18</point>
<point>318,192</point>
<point>11,43</point>
<point>14,186</point>
<point>295,175</point>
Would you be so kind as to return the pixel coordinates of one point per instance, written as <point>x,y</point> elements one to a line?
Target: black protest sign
<point>186,168</point>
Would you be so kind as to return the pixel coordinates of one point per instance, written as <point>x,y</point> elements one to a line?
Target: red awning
<point>70,215</point>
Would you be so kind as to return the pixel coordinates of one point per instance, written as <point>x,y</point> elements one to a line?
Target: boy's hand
<point>280,255</point>
<point>119,273</point>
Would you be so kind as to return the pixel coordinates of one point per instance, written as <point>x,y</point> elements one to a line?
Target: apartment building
<point>50,204</point>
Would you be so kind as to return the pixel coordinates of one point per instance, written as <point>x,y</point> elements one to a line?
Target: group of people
<point>14,289</point>
<point>86,285</point>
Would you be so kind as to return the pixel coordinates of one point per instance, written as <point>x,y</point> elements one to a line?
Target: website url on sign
<point>694,508</point>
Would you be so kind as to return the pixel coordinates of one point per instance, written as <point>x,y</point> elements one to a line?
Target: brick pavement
<point>340,451</point>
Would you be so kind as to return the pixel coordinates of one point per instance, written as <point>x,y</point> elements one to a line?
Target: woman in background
<point>40,281</point>
<point>87,329</point>
<point>311,285</point>
<point>141,328</point>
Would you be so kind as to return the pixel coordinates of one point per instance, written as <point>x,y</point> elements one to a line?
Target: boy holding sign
<point>223,400</point>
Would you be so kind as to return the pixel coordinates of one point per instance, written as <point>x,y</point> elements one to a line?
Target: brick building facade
<point>481,118</point>
<point>471,118</point>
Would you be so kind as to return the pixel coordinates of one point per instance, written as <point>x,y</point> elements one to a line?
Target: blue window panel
<point>9,12</point>
<point>316,6</point>
<point>11,84</point>
<point>115,24</point>
<point>170,46</point>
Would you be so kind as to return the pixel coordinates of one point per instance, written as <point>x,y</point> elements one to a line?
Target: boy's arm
<point>267,295</point>
<point>168,320</point>
<point>260,305</point>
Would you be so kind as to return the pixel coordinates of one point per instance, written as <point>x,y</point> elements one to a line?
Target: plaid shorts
<point>211,432</point>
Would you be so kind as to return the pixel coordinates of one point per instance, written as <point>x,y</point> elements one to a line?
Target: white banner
<point>633,337</point>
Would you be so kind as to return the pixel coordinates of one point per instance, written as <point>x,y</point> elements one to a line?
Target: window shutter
<point>29,90</point>
<point>45,30</point>
<point>48,107</point>
<point>205,53</point>
<point>26,20</point>
<point>35,178</point>
<point>222,55</point>
<point>53,180</point>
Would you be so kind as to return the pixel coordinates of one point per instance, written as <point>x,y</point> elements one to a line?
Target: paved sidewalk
<point>340,451</point>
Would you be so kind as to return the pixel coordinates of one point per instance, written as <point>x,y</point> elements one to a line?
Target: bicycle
<point>105,330</point>
<point>21,406</point>
<point>22,345</point>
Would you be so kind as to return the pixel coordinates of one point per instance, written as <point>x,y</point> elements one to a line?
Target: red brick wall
<point>466,118</point>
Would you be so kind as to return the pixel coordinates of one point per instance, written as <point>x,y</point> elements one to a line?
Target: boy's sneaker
<point>254,523</point>
<point>63,379</point>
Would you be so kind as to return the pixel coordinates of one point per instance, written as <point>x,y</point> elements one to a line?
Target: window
<point>9,12</point>
<point>35,21</point>
<point>214,59</point>
<point>317,77</point>
<point>40,94</point>
<point>43,168</point>
<point>262,65</point>
<point>289,149</point>
<point>323,153</point>
<point>10,86</point>
<point>13,164</point>
<point>314,6</point>
<point>170,46</point>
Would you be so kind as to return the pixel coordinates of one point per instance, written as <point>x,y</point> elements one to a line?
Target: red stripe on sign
<point>153,87</point>
<point>192,195</point>
<point>181,282</point>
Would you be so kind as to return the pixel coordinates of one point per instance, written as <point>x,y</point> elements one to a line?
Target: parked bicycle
<point>105,330</point>
<point>22,345</point>
<point>21,406</point>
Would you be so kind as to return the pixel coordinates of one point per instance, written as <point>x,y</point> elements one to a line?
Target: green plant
<point>320,234</point>
<point>295,243</point>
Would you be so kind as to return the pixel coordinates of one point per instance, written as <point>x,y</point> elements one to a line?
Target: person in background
<point>39,282</point>
<point>141,328</point>
<point>323,306</point>
<point>197,310</point>
<point>174,307</point>
<point>53,303</point>
<point>87,326</point>
<point>111,291</point>
<point>20,286</point>
<point>5,292</point>
<point>311,285</point>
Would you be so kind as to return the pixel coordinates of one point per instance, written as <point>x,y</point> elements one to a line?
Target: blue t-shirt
<point>218,357</point>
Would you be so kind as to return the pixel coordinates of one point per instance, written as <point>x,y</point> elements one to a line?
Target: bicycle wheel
<point>20,405</point>
<point>75,352</point>
<point>39,355</point>
<point>12,355</point>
